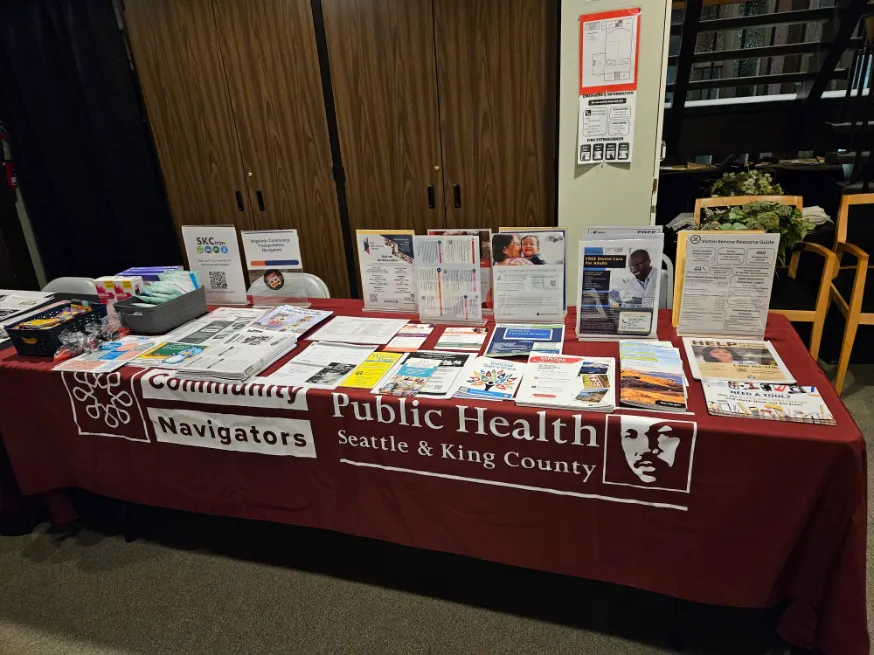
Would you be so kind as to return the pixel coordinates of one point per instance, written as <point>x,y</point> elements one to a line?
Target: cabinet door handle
<point>456,192</point>
<point>239,197</point>
<point>260,197</point>
<point>432,199</point>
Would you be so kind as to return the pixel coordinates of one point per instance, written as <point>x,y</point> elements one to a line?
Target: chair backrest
<point>666,292</point>
<point>315,286</point>
<point>733,201</point>
<point>862,233</point>
<point>83,285</point>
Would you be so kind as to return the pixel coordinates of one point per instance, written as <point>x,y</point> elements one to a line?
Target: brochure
<point>484,238</point>
<point>448,278</point>
<point>528,275</point>
<point>385,260</point>
<point>410,338</point>
<point>369,372</point>
<point>651,377</point>
<point>491,379</point>
<point>776,402</point>
<point>445,379</point>
<point>408,379</point>
<point>322,365</point>
<point>618,287</point>
<point>511,340</point>
<point>109,357</point>
<point>462,338</point>
<point>356,329</point>
<point>735,359</point>
<point>569,382</point>
<point>244,355</point>
<point>726,283</point>
<point>287,318</point>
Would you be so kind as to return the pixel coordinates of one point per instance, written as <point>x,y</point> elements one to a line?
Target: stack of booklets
<point>651,376</point>
<point>491,379</point>
<point>775,402</point>
<point>569,382</point>
<point>425,374</point>
<point>247,354</point>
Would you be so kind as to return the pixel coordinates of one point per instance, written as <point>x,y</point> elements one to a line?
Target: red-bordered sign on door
<point>609,48</point>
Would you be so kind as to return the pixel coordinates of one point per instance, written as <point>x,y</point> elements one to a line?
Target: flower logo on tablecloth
<point>104,404</point>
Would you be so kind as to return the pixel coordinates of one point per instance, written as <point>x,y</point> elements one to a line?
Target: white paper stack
<point>491,379</point>
<point>569,382</point>
<point>247,354</point>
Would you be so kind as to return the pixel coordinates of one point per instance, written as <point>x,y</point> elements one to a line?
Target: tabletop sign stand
<point>388,276</point>
<point>448,282</point>
<point>214,252</point>
<point>528,276</point>
<point>484,235</point>
<point>275,270</point>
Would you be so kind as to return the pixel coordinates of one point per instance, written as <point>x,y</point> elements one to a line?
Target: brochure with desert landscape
<point>651,377</point>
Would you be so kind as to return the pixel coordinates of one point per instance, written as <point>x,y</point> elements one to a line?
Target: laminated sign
<point>609,47</point>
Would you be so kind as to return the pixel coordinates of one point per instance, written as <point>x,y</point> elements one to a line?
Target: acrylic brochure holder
<point>388,276</point>
<point>275,269</point>
<point>448,279</point>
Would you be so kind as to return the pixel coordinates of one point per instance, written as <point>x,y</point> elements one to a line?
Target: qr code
<point>218,280</point>
<point>374,297</point>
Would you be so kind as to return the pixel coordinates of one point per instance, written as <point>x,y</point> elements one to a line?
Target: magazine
<point>618,287</point>
<point>491,379</point>
<point>288,318</point>
<point>735,359</point>
<point>515,340</point>
<point>763,400</point>
<point>651,377</point>
<point>569,382</point>
<point>468,339</point>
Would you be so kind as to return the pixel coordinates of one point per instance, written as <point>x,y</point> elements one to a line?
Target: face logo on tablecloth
<point>104,405</point>
<point>649,453</point>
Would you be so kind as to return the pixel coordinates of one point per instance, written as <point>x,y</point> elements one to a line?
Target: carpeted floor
<point>194,584</point>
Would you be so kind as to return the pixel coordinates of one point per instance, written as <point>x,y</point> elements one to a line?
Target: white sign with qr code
<point>213,251</point>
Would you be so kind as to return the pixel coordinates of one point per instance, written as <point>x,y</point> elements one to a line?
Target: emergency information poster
<point>609,45</point>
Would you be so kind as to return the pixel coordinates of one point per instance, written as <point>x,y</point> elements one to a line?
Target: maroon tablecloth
<point>749,513</point>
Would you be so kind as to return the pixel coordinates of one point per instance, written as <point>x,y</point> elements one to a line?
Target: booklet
<point>322,365</point>
<point>491,379</point>
<point>651,377</point>
<point>410,338</point>
<point>569,382</point>
<point>735,359</point>
<point>776,402</point>
<point>369,372</point>
<point>512,340</point>
<point>462,338</point>
<point>109,357</point>
<point>618,287</point>
<point>288,318</point>
<point>408,379</point>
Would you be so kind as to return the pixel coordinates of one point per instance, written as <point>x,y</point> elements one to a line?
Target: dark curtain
<point>85,161</point>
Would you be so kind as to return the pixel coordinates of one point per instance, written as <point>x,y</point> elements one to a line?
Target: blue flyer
<point>520,340</point>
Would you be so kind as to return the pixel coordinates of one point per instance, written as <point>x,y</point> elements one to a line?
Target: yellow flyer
<point>369,372</point>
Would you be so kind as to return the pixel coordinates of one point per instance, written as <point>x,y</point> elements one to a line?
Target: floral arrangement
<point>785,220</point>
<point>746,183</point>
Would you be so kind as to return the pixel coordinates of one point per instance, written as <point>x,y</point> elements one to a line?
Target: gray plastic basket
<point>162,318</point>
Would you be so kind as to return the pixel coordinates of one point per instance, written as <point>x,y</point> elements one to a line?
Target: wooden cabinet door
<point>496,66</point>
<point>177,57</point>
<point>385,88</point>
<point>272,67</point>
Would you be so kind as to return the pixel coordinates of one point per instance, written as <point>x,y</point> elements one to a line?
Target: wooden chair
<point>790,296</point>
<point>849,284</point>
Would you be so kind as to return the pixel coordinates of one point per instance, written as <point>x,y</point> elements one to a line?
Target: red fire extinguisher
<point>6,159</point>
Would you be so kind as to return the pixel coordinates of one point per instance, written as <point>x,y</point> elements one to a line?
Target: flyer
<point>444,380</point>
<point>528,276</point>
<point>369,372</point>
<point>516,340</point>
<point>408,379</point>
<point>274,263</point>
<point>410,338</point>
<point>484,236</point>
<point>321,365</point>
<point>462,338</point>
<point>735,359</point>
<point>491,379</point>
<point>618,287</point>
<point>775,402</point>
<point>609,48</point>
<point>726,283</point>
<point>109,357</point>
<point>530,245</point>
<point>651,377</point>
<point>357,329</point>
<point>448,278</point>
<point>212,251</point>
<point>169,355</point>
<point>288,318</point>
<point>385,260</point>
<point>569,382</point>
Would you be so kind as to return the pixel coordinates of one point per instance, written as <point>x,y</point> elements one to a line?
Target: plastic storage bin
<point>161,318</point>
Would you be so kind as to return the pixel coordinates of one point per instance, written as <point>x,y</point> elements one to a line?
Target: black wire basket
<point>45,343</point>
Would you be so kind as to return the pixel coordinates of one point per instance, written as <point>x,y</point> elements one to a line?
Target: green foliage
<point>746,183</point>
<point>785,220</point>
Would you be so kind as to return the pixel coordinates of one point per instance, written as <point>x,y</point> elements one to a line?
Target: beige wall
<point>610,194</point>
